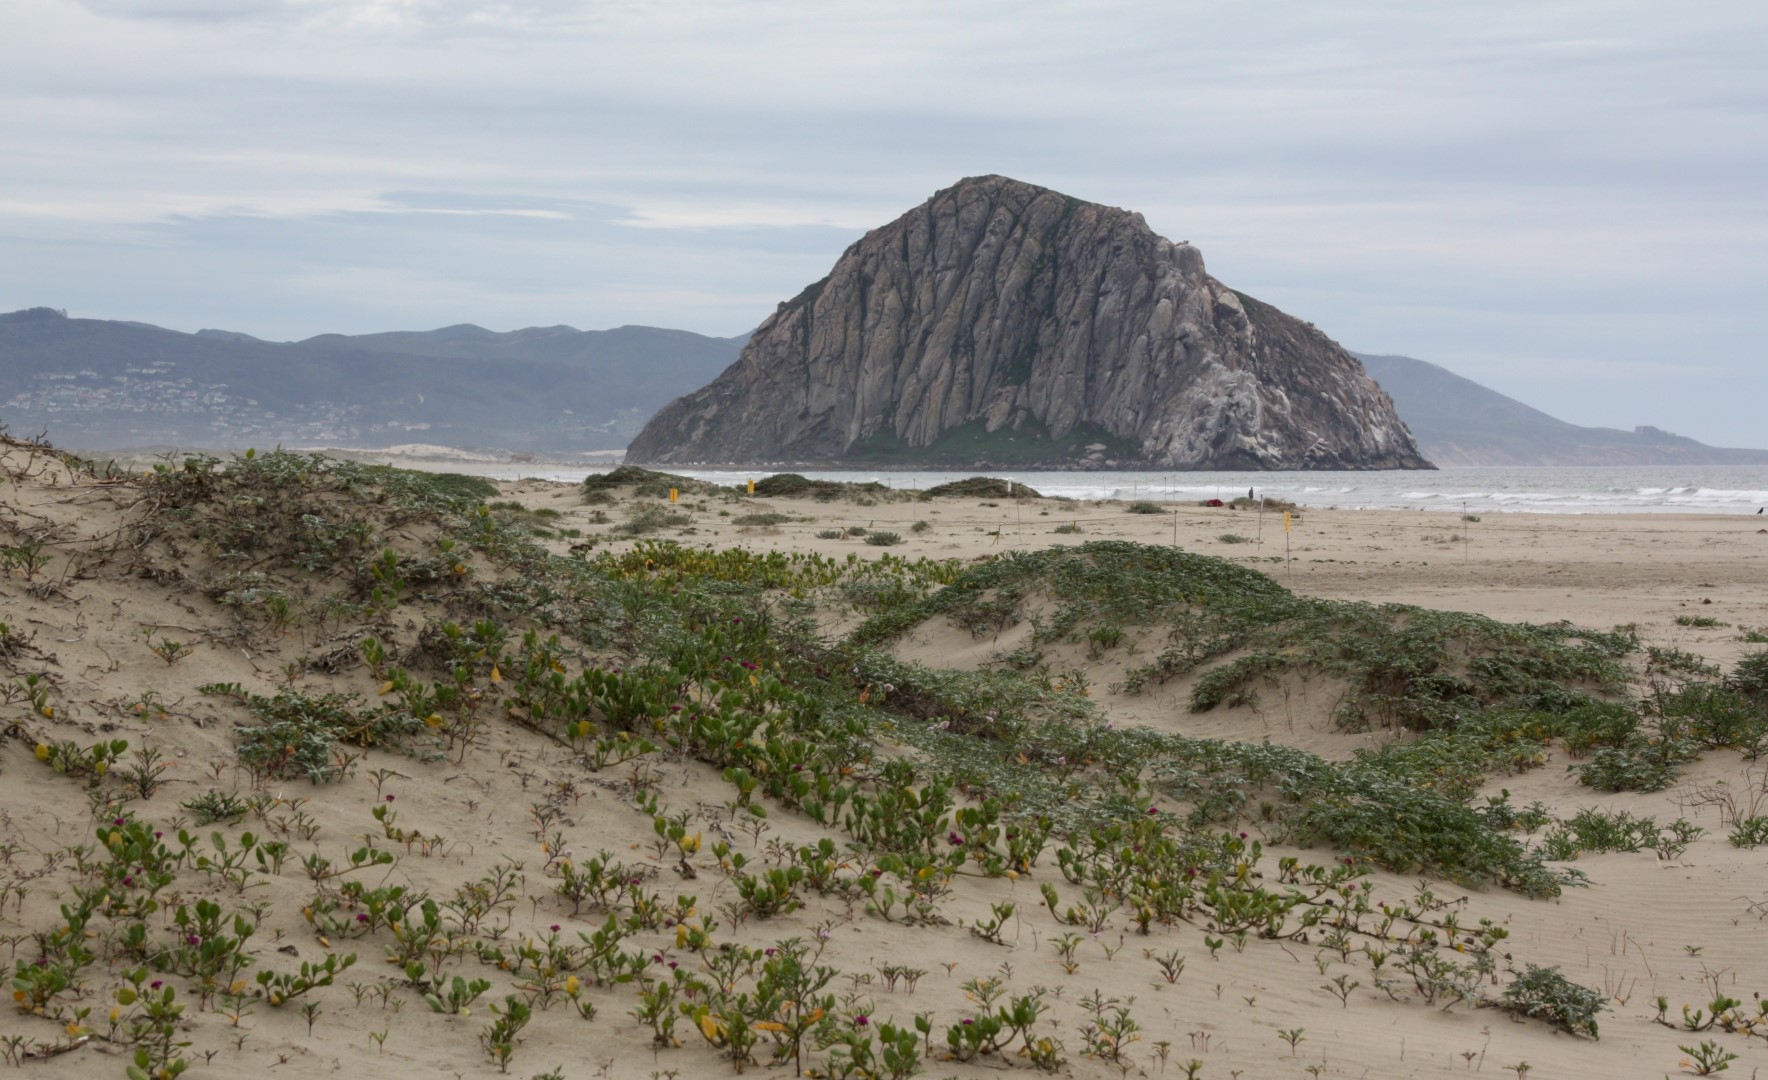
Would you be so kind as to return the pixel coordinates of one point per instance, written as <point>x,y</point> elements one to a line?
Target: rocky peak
<point>1001,323</point>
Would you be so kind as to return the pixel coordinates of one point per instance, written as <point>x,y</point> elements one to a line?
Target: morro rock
<point>1004,324</point>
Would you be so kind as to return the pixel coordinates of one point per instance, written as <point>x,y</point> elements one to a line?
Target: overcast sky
<point>1566,201</point>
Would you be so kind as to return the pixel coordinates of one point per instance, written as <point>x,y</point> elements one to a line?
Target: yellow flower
<point>573,985</point>
<point>42,751</point>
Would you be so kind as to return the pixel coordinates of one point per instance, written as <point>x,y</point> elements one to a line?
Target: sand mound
<point>326,768</point>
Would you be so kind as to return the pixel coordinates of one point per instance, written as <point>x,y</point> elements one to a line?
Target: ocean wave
<point>1680,490</point>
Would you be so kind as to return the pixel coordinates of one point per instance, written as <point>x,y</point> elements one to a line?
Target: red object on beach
<point>1215,502</point>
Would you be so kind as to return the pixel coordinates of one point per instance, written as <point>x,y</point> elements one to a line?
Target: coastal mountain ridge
<point>1002,323</point>
<point>1459,422</point>
<point>109,384</point>
<point>72,379</point>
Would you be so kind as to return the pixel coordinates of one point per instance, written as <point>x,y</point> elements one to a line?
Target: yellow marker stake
<point>751,487</point>
<point>1285,521</point>
<point>674,495</point>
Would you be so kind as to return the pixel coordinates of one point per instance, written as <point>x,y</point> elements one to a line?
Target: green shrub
<point>919,527</point>
<point>1545,994</point>
<point>794,486</point>
<point>1068,529</point>
<point>1713,716</point>
<point>1144,507</point>
<point>298,735</point>
<point>984,487</point>
<point>1750,832</point>
<point>764,518</point>
<point>1750,676</point>
<point>645,483</point>
<point>650,519</point>
<point>1678,662</point>
<point>1639,765</point>
<point>884,539</point>
<point>830,534</point>
<point>1700,621</point>
<point>460,485</point>
<point>1234,538</point>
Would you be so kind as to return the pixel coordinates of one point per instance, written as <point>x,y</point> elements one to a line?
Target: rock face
<point>1005,324</point>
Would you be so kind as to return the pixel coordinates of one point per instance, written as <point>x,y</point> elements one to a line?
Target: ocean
<point>1707,489</point>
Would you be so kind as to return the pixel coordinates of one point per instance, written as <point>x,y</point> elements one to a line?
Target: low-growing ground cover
<point>386,778</point>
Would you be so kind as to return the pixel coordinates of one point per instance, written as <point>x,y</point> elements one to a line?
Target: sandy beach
<point>497,805</point>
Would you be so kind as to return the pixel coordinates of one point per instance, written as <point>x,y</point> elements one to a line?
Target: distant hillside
<point>100,383</point>
<point>1459,422</point>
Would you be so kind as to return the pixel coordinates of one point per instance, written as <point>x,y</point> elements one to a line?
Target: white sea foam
<point>1719,489</point>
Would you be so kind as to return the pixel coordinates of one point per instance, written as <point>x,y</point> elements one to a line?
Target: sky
<point>1565,200</point>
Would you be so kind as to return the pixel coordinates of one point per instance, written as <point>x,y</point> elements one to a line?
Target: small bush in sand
<point>1751,675</point>
<point>1545,994</point>
<point>1234,538</point>
<point>651,519</point>
<point>767,517</point>
<point>1750,833</point>
<point>884,539</point>
<point>1143,508</point>
<point>831,534</point>
<point>645,483</point>
<point>1068,529</point>
<point>1701,622</point>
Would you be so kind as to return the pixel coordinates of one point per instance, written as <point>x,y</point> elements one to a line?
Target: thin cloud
<point>1576,183</point>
